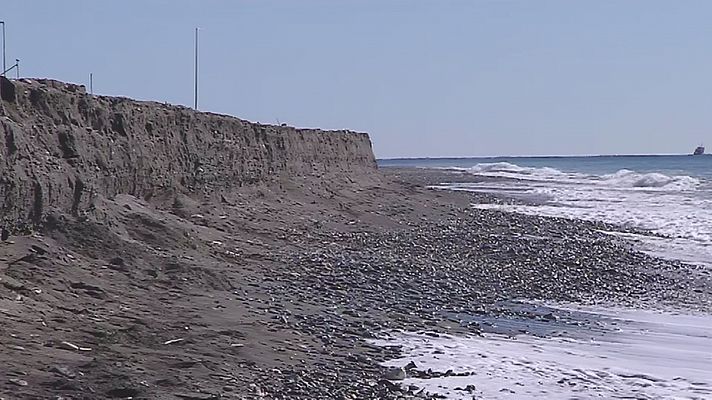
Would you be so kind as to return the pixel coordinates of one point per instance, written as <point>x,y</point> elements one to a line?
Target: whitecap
<point>676,206</point>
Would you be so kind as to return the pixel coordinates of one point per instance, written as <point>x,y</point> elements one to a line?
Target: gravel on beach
<point>276,293</point>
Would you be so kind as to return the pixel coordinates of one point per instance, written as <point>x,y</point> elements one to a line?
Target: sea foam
<point>623,178</point>
<point>675,206</point>
<point>631,354</point>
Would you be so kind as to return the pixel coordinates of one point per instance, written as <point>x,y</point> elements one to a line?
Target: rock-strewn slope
<point>61,148</point>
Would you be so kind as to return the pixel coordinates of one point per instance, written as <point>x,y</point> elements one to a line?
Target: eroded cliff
<point>61,148</point>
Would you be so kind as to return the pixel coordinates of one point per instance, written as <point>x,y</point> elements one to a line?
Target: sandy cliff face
<point>62,148</point>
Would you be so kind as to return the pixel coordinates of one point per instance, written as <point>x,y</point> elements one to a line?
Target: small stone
<point>38,249</point>
<point>394,374</point>
<point>18,382</point>
<point>550,317</point>
<point>118,261</point>
<point>64,371</point>
<point>11,283</point>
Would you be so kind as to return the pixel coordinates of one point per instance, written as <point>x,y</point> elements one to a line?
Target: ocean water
<point>668,195</point>
<point>611,352</point>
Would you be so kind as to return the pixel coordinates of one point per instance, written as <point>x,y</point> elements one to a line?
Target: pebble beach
<point>286,294</point>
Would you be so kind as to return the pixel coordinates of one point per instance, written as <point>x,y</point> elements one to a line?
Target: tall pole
<point>17,67</point>
<point>4,66</point>
<point>91,83</point>
<point>195,98</point>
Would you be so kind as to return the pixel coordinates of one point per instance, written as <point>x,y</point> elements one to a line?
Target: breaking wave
<point>630,179</point>
<point>677,206</point>
<point>624,178</point>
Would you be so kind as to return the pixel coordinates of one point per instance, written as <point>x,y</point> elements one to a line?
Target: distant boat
<point>700,150</point>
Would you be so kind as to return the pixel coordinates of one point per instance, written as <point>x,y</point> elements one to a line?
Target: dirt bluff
<point>61,148</point>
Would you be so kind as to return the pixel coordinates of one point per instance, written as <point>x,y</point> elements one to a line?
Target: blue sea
<point>670,195</point>
<point>627,352</point>
<point>697,166</point>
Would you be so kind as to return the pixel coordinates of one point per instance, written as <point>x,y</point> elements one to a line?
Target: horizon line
<point>534,156</point>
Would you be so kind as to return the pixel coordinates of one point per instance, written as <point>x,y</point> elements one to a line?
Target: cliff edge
<point>61,148</point>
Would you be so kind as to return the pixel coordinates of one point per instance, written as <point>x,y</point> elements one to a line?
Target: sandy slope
<point>130,276</point>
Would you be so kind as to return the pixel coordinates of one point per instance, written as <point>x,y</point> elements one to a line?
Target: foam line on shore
<point>641,354</point>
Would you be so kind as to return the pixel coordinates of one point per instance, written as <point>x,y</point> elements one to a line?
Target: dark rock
<point>64,371</point>
<point>118,124</point>
<point>118,261</point>
<point>39,250</point>
<point>91,290</point>
<point>67,143</point>
<point>468,388</point>
<point>390,386</point>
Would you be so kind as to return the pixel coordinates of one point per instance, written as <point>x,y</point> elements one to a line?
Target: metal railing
<point>16,67</point>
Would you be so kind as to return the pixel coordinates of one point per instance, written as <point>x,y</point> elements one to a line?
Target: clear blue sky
<point>424,78</point>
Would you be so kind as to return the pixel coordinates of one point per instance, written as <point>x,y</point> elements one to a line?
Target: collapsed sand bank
<point>63,148</point>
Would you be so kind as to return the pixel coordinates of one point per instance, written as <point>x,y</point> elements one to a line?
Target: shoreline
<point>566,351</point>
<point>452,362</point>
<point>276,291</point>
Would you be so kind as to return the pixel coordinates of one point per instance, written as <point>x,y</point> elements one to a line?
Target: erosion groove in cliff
<point>61,148</point>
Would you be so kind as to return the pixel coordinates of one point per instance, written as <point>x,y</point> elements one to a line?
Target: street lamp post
<point>4,67</point>
<point>195,95</point>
